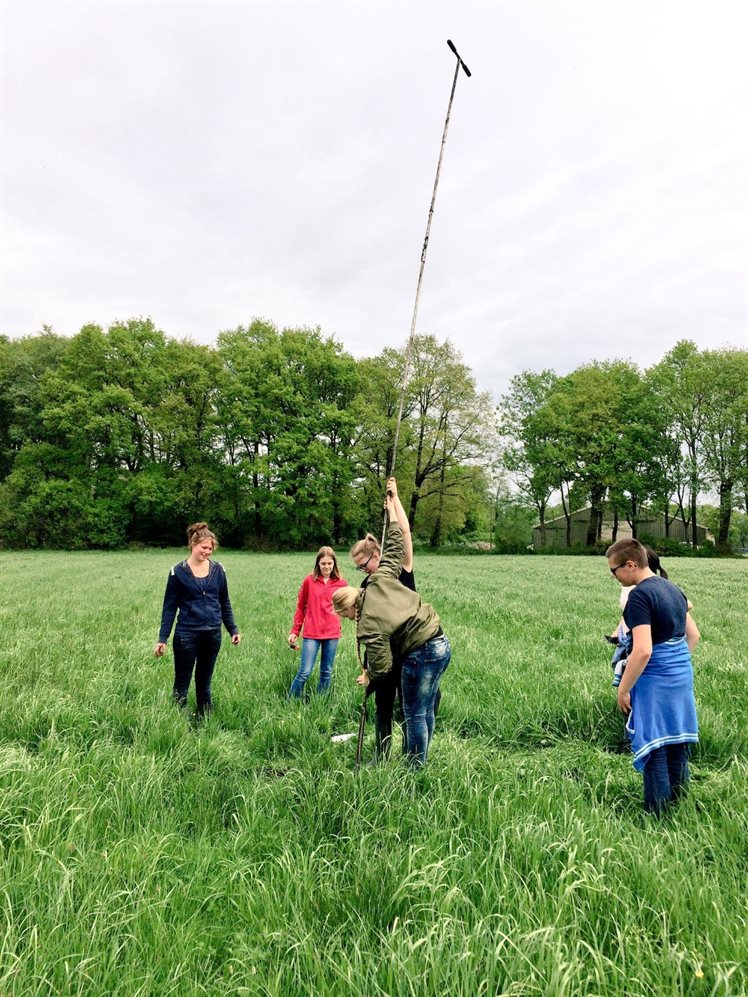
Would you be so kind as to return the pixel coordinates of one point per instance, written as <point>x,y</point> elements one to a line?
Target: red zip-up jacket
<point>314,612</point>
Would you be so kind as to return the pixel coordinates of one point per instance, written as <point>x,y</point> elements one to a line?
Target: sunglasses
<point>618,568</point>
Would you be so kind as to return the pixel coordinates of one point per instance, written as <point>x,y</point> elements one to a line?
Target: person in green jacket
<point>392,619</point>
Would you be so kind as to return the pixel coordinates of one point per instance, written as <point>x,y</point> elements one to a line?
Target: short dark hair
<point>628,550</point>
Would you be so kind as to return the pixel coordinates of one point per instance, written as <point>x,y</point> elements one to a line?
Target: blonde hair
<point>345,598</point>
<point>369,546</point>
<point>348,597</point>
<point>198,532</point>
<point>326,552</point>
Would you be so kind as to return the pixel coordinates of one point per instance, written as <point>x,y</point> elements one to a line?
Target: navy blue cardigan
<point>202,602</point>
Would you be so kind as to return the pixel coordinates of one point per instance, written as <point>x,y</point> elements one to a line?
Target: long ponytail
<point>653,560</point>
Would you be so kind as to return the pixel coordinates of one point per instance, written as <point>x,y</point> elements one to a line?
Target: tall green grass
<point>143,854</point>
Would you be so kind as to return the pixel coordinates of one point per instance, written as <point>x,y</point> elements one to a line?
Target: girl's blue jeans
<point>196,651</point>
<point>665,775</point>
<point>419,683</point>
<point>309,648</point>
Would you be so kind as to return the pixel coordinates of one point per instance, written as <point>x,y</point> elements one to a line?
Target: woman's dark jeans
<point>665,775</point>
<point>385,689</point>
<point>422,672</point>
<point>198,651</point>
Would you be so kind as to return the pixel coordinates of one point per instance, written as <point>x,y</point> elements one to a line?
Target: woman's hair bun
<point>199,531</point>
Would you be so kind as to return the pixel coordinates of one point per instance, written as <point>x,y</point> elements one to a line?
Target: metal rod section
<point>409,348</point>
<point>411,337</point>
<point>361,728</point>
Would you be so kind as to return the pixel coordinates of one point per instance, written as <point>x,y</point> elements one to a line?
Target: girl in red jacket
<point>321,626</point>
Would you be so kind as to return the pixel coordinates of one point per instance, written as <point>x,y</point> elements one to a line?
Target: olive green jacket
<point>392,618</point>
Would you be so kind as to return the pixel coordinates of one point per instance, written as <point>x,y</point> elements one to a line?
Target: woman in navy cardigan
<point>196,589</point>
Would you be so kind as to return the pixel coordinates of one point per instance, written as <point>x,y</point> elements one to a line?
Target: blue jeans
<point>386,689</point>
<point>419,684</point>
<point>665,775</point>
<point>198,651</point>
<point>309,648</point>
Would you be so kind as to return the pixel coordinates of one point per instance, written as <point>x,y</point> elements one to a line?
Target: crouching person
<point>391,619</point>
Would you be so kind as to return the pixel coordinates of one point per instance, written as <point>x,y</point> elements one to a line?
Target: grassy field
<point>142,855</point>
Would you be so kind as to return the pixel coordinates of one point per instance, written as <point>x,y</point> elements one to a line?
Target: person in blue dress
<point>656,689</point>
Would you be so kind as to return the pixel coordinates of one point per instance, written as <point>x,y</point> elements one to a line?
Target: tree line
<point>280,438</point>
<point>609,434</point>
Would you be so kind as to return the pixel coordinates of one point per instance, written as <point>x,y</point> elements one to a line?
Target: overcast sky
<point>207,163</point>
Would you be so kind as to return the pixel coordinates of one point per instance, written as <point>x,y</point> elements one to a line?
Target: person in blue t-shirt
<point>197,589</point>
<point>621,637</point>
<point>656,690</point>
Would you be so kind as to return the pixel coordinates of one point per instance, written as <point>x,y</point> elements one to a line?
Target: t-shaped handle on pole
<point>459,58</point>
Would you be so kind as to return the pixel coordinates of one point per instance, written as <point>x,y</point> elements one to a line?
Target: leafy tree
<point>378,404</point>
<point>451,420</point>
<point>706,397</point>
<point>724,438</point>
<point>526,452</point>
<point>446,426</point>
<point>513,522</point>
<point>684,392</point>
<point>580,421</point>
<point>375,410</point>
<point>710,516</point>
<point>287,429</point>
<point>594,433</point>
<point>116,406</point>
<point>23,363</point>
<point>462,509</point>
<point>643,451</point>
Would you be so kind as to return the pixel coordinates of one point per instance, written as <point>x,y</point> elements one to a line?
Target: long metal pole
<point>409,348</point>
<point>411,337</point>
